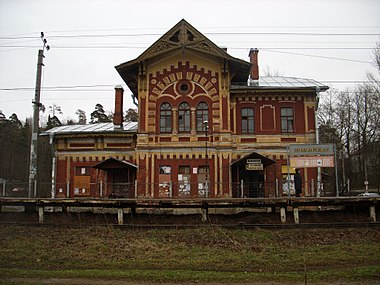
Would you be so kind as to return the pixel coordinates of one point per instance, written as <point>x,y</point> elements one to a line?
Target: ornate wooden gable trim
<point>181,36</point>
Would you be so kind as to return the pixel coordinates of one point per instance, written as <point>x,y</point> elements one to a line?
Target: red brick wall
<point>268,115</point>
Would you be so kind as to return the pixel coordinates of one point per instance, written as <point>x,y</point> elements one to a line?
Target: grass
<point>203,254</point>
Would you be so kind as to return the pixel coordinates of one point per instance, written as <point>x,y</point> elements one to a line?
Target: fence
<point>164,190</point>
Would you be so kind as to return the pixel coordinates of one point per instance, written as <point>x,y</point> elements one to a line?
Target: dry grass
<point>206,254</point>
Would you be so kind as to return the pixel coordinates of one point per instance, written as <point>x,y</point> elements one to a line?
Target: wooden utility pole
<point>36,119</point>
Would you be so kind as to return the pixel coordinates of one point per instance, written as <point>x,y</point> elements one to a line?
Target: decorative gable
<point>181,36</point>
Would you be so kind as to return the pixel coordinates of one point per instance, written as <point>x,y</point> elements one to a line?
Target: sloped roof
<point>181,36</point>
<point>265,160</point>
<point>130,127</point>
<point>280,82</point>
<point>114,163</point>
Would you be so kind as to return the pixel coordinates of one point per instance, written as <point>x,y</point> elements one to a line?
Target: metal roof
<point>130,127</point>
<point>280,82</point>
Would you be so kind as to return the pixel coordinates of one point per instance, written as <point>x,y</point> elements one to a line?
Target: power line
<point>50,88</point>
<point>263,49</point>
<point>144,47</point>
<point>141,47</point>
<point>320,56</point>
<point>75,88</point>
<point>210,33</point>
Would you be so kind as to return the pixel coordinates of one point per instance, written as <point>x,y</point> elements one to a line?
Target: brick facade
<point>175,155</point>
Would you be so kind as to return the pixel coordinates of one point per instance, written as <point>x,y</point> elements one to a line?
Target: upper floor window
<point>184,117</point>
<point>247,121</point>
<point>165,118</point>
<point>202,116</point>
<point>287,120</point>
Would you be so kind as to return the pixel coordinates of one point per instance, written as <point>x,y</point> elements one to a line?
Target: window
<point>82,170</point>
<point>202,115</point>
<point>247,121</point>
<point>203,181</point>
<point>166,118</point>
<point>184,187</point>
<point>184,117</point>
<point>287,120</point>
<point>164,180</point>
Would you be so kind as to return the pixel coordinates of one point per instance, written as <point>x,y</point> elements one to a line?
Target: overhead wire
<point>52,36</point>
<point>76,88</point>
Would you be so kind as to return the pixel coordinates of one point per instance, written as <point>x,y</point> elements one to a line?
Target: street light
<point>205,124</point>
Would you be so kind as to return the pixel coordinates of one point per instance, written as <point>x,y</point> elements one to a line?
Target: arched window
<point>165,118</point>
<point>247,121</point>
<point>202,116</point>
<point>184,117</point>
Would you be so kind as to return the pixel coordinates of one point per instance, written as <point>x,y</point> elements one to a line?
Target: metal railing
<point>164,190</point>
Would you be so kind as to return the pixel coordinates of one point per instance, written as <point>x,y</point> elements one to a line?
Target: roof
<point>130,127</point>
<point>265,160</point>
<point>281,82</point>
<point>113,163</point>
<point>182,36</point>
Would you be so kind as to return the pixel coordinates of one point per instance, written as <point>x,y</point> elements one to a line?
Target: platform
<point>282,204</point>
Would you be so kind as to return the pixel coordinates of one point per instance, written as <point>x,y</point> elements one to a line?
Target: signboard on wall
<point>312,161</point>
<point>251,166</point>
<point>311,149</point>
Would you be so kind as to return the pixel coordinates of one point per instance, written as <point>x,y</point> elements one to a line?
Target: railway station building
<point>208,126</point>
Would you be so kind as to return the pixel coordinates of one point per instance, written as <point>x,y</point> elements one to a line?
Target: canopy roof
<point>254,155</point>
<point>113,163</point>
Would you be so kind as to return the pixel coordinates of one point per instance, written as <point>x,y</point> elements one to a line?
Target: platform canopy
<point>254,155</point>
<point>113,163</point>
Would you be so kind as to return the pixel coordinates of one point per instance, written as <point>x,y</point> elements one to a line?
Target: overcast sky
<point>327,40</point>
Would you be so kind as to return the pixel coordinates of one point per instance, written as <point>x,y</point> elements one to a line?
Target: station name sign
<point>311,149</point>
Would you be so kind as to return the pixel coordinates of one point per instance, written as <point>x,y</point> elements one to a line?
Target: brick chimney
<point>118,116</point>
<point>253,56</point>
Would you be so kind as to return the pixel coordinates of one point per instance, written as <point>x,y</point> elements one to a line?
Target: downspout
<point>53,166</point>
<point>319,178</point>
<point>134,100</point>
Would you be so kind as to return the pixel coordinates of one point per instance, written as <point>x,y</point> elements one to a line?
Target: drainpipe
<point>319,178</point>
<point>53,166</point>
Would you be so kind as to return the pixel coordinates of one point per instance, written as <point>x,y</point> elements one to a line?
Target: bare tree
<point>81,117</point>
<point>131,115</point>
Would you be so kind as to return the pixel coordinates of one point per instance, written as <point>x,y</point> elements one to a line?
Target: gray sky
<point>298,38</point>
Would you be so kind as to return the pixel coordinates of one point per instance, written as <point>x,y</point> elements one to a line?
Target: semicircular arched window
<point>202,116</point>
<point>184,124</point>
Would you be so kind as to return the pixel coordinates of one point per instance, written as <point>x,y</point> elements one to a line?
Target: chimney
<point>118,116</point>
<point>253,53</point>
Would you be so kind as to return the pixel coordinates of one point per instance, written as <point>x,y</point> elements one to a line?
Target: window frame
<point>201,116</point>
<point>184,118</point>
<point>249,127</point>
<point>166,118</point>
<point>287,120</point>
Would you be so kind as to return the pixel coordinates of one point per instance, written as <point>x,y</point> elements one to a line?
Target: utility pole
<point>36,119</point>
